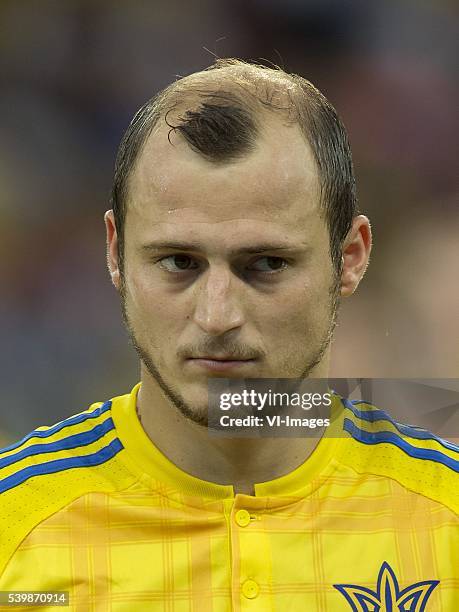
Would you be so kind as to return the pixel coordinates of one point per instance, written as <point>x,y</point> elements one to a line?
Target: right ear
<point>112,248</point>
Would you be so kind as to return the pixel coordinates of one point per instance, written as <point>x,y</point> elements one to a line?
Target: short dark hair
<point>219,111</point>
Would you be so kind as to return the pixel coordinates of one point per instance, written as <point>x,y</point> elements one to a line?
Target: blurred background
<point>73,72</point>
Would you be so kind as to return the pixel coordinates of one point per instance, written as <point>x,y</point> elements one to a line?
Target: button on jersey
<point>90,506</point>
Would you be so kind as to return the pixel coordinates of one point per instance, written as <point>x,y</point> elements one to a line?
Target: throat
<point>244,489</point>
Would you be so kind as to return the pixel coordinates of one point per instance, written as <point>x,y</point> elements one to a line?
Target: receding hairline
<point>253,85</point>
<point>227,81</point>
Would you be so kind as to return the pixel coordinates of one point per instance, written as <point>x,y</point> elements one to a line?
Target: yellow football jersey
<point>369,522</point>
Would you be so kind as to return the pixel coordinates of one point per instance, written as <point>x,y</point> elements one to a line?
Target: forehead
<point>274,188</point>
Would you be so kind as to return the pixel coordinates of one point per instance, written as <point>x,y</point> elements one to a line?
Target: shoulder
<point>52,466</point>
<point>86,439</point>
<point>416,458</point>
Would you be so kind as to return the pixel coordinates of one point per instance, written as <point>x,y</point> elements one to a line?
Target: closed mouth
<point>226,358</point>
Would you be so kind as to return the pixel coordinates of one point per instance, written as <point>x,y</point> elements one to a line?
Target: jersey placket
<point>250,555</point>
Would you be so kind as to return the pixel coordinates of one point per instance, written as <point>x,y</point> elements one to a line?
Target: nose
<point>218,306</point>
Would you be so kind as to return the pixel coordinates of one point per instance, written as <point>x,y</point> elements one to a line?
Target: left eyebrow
<point>193,246</point>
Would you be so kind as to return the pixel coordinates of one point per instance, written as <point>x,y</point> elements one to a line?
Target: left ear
<point>356,253</point>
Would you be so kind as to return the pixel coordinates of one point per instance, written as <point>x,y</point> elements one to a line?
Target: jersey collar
<point>146,458</point>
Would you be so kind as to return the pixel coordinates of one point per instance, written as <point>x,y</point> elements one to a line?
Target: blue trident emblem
<point>388,597</point>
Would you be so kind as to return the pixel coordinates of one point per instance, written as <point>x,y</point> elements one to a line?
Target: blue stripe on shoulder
<point>389,437</point>
<point>410,431</point>
<point>82,439</point>
<point>60,465</point>
<point>74,420</point>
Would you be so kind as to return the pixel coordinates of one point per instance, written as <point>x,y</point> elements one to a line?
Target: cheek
<point>309,297</point>
<point>148,307</point>
<point>282,321</point>
<point>302,310</point>
<point>298,319</point>
<point>142,292</point>
<point>144,303</point>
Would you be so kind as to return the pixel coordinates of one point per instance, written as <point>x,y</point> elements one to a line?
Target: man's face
<point>227,262</point>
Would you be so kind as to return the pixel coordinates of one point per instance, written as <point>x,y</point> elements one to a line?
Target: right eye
<point>178,263</point>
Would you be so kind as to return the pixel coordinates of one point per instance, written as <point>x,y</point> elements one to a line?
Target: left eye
<point>269,264</point>
<point>177,263</point>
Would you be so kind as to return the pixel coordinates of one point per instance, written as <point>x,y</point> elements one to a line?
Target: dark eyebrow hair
<point>193,246</point>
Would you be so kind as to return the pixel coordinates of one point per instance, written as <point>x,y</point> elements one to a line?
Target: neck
<point>240,462</point>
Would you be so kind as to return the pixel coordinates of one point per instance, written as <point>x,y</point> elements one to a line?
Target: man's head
<point>234,229</point>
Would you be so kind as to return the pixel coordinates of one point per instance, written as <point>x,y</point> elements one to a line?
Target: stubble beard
<point>201,417</point>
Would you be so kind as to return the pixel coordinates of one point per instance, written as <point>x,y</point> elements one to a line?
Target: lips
<point>220,358</point>
<point>219,363</point>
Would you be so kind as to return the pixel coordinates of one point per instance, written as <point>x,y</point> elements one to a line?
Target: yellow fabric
<point>121,528</point>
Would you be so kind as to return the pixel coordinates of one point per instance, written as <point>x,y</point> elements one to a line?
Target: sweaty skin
<point>194,287</point>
